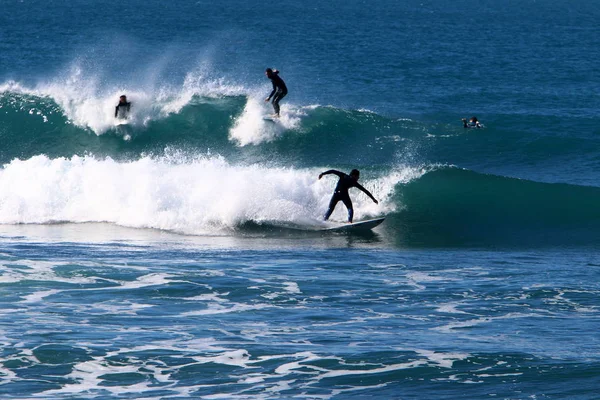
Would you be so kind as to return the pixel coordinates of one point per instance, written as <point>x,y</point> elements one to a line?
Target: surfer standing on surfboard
<point>122,109</point>
<point>279,89</point>
<point>341,191</point>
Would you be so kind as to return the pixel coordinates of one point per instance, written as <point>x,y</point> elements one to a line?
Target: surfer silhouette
<point>279,89</point>
<point>122,109</point>
<point>341,191</point>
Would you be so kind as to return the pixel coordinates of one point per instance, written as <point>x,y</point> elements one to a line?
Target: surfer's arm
<point>272,91</point>
<point>367,193</point>
<point>331,171</point>
<point>116,111</point>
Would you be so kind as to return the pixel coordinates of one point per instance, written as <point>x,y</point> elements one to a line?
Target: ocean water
<point>178,257</point>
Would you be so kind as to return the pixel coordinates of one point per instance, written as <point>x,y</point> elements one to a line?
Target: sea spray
<point>251,127</point>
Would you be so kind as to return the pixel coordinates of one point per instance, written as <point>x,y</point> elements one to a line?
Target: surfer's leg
<point>332,203</point>
<point>348,204</point>
<point>276,99</point>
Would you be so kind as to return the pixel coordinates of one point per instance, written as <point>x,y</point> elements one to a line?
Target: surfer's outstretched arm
<point>367,193</point>
<point>331,171</point>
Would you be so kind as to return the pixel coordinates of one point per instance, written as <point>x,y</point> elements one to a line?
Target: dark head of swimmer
<point>269,73</point>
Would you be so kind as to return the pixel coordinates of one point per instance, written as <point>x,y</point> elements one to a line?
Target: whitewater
<point>181,255</point>
<point>202,196</point>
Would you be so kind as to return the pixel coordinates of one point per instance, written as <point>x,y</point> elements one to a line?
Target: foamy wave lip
<point>88,102</point>
<point>202,196</point>
<point>88,105</point>
<point>14,87</point>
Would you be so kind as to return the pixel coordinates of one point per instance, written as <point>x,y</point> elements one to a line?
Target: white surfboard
<point>121,121</point>
<point>360,226</point>
<point>271,118</point>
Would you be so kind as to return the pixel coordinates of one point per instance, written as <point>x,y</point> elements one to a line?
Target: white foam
<point>36,270</point>
<point>424,277</point>
<point>251,128</point>
<point>89,101</point>
<point>448,328</point>
<point>205,195</point>
<point>385,369</point>
<point>6,375</point>
<point>499,375</point>
<point>126,308</point>
<point>292,287</point>
<point>445,360</point>
<point>450,308</point>
<point>213,297</point>
<point>214,309</point>
<point>305,357</point>
<point>88,377</point>
<point>38,296</point>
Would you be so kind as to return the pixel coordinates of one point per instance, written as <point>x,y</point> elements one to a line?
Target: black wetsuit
<point>279,90</point>
<point>122,109</point>
<point>471,124</point>
<point>341,193</point>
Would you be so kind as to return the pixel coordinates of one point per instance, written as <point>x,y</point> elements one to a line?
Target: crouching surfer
<point>341,191</point>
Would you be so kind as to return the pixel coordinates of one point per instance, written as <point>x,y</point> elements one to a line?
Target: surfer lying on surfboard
<point>122,109</point>
<point>341,191</point>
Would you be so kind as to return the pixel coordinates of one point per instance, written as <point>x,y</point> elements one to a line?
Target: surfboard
<point>326,226</point>
<point>270,119</point>
<point>360,226</point>
<point>121,121</point>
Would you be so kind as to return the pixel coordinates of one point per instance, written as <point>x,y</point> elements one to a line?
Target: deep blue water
<point>163,259</point>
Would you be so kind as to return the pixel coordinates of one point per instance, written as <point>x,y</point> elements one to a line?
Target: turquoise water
<point>162,259</point>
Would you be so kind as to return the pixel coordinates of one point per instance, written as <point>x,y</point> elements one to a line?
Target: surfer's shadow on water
<point>335,239</point>
<point>351,239</point>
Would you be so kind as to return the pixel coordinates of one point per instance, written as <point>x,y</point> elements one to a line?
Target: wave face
<point>451,206</point>
<point>199,158</point>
